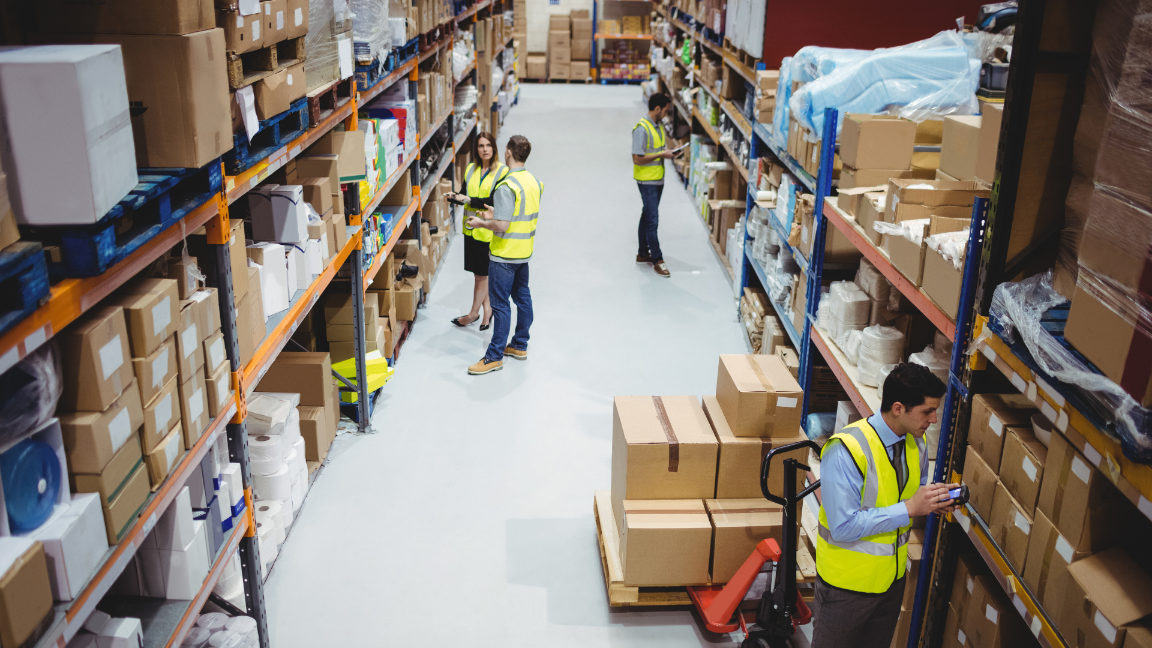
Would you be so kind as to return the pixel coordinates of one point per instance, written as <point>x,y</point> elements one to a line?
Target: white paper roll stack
<point>277,486</point>
<point>266,452</point>
<point>196,638</point>
<point>212,621</point>
<point>274,522</point>
<point>299,491</point>
<point>298,463</point>
<point>275,509</point>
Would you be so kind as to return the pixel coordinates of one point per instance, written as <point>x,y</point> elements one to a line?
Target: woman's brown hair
<point>476,148</point>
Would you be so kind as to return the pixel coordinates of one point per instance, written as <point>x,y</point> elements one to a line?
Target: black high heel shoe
<point>485,327</point>
<point>457,322</point>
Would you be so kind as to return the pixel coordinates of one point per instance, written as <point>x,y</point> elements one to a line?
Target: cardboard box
<point>1022,466</point>
<point>215,355</point>
<point>125,17</point>
<point>75,542</point>
<point>273,95</point>
<point>189,352</point>
<point>909,257</point>
<point>406,295</point>
<point>241,33</point>
<point>559,56</point>
<point>1046,568</point>
<point>1010,526</point>
<point>1111,340</point>
<point>662,448</point>
<point>317,192</point>
<point>178,90</point>
<point>94,360</point>
<point>537,66</point>
<point>991,413</point>
<point>579,70</point>
<point>92,438</point>
<point>25,589</point>
<point>737,526</point>
<point>954,635</point>
<point>851,178</point>
<point>912,568</point>
<point>870,210</point>
<point>948,199</point>
<point>558,23</point>
<point>665,542</point>
<point>165,455</point>
<point>218,387</point>
<point>152,307</point>
<point>160,414</point>
<point>929,132</point>
<point>941,281</point>
<point>738,470</point>
<point>960,148</point>
<point>759,396</point>
<point>155,371</point>
<point>992,621</point>
<point>307,374</point>
<point>1083,505</point>
<point>877,142</point>
<point>968,567</point>
<point>114,476</point>
<point>1106,593</point>
<point>125,506</point>
<point>193,409</point>
<point>981,482</point>
<point>315,427</point>
<point>989,142</point>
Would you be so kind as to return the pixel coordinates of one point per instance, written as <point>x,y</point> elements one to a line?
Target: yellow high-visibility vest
<point>480,185</point>
<point>655,145</point>
<point>870,564</point>
<point>516,243</point>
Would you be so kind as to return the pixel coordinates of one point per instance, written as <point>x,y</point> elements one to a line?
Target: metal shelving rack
<point>169,621</point>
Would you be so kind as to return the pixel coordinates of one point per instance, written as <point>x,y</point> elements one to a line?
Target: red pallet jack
<point>781,610</point>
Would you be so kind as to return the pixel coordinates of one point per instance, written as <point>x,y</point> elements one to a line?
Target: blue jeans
<point>508,280</point>
<point>649,221</point>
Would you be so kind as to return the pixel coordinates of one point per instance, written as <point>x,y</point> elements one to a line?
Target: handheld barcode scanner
<point>781,609</point>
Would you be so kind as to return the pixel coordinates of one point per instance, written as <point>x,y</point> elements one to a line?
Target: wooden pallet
<point>271,134</point>
<point>745,58</point>
<point>23,282</point>
<point>324,100</point>
<point>249,67</point>
<point>621,595</point>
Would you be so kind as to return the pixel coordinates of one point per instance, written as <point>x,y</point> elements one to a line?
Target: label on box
<point>247,102</point>
<point>267,10</point>
<point>299,16</point>
<point>1081,469</point>
<point>256,30</point>
<point>995,425</point>
<point>196,407</point>
<point>120,429</point>
<point>111,357</point>
<point>163,412</point>
<point>289,79</point>
<point>171,451</point>
<point>970,584</point>
<point>239,21</point>
<point>279,20</point>
<point>1106,628</point>
<point>1092,455</point>
<point>1037,625</point>
<point>248,7</point>
<point>1029,469</point>
<point>222,389</point>
<point>344,47</point>
<point>161,316</point>
<point>961,637</point>
<point>188,339</point>
<point>991,614</point>
<point>1022,523</point>
<point>216,353</point>
<point>159,368</point>
<point>1064,549</point>
<point>786,402</point>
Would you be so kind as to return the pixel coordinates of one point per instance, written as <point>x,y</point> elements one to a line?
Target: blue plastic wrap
<point>929,78</point>
<point>31,475</point>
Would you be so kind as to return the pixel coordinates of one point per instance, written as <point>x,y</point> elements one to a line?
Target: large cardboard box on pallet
<point>178,90</point>
<point>173,17</point>
<point>759,396</point>
<point>737,526</point>
<point>665,542</point>
<point>662,448</point>
<point>738,469</point>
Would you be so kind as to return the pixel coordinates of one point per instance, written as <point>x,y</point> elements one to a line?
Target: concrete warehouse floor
<point>467,518</point>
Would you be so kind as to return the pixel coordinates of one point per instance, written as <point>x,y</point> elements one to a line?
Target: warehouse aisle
<point>467,520</point>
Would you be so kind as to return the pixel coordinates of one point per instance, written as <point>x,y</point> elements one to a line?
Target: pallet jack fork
<point>782,610</point>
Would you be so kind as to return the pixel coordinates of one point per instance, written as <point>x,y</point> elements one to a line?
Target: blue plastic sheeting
<point>811,63</point>
<point>933,77</point>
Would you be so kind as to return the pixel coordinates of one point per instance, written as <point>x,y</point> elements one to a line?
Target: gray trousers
<point>843,618</point>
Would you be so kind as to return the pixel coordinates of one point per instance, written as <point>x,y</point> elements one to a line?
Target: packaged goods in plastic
<point>31,391</point>
<point>328,44</point>
<point>371,31</point>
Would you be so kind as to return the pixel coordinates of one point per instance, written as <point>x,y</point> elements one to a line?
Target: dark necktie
<point>898,463</point>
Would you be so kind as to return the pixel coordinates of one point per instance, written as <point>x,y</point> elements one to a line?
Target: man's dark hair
<point>909,384</point>
<point>658,100</point>
<point>520,147</point>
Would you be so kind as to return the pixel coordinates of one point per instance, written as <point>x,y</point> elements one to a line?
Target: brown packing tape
<point>1049,549</point>
<point>665,512</point>
<point>673,444</point>
<point>744,510</point>
<point>764,382</point>
<point>1061,484</point>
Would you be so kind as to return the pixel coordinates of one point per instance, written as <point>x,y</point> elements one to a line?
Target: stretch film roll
<point>277,486</point>
<point>766,196</point>
<point>31,478</point>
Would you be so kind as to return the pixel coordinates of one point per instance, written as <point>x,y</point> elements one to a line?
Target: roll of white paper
<point>766,196</point>
<point>274,522</point>
<point>301,464</point>
<point>266,453</point>
<point>196,638</point>
<point>212,621</point>
<point>290,461</point>
<point>276,486</point>
<point>243,626</point>
<point>299,490</point>
<point>274,509</point>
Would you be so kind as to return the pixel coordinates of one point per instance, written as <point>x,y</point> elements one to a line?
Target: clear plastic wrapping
<point>326,29</point>
<point>1018,307</point>
<point>849,343</point>
<point>951,246</point>
<point>937,365</point>
<point>821,424</point>
<point>869,280</point>
<point>922,80</point>
<point>371,32</point>
<point>913,230</point>
<point>849,304</point>
<point>30,391</point>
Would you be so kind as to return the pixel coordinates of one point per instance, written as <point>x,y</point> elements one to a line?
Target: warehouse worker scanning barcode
<point>874,480</point>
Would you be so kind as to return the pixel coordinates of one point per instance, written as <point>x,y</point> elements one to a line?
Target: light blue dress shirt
<point>840,486</point>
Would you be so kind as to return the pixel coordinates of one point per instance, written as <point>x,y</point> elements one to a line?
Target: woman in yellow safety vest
<point>479,180</point>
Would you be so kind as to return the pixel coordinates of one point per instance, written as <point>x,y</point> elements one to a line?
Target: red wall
<point>792,24</point>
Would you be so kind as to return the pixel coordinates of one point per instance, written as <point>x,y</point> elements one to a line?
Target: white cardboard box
<point>74,544</point>
<point>174,530</point>
<point>121,633</point>
<point>273,275</point>
<point>314,253</point>
<point>65,124</point>
<point>278,214</point>
<point>299,261</point>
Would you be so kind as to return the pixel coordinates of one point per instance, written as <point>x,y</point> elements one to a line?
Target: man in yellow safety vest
<point>648,155</point>
<point>516,206</point>
<point>873,481</point>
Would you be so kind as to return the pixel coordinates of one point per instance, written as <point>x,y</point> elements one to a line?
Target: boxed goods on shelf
<point>95,360</point>
<point>65,120</point>
<point>991,619</point>
<point>161,414</point>
<point>991,413</point>
<point>1106,593</point>
<point>25,589</point>
<point>1046,567</point>
<point>1010,526</point>
<point>981,482</point>
<point>92,438</point>
<point>1022,466</point>
<point>164,456</point>
<point>1084,506</point>
<point>877,142</point>
<point>906,244</point>
<point>75,542</point>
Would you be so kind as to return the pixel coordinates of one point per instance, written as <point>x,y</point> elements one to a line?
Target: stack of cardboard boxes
<point>325,60</point>
<point>1069,532</point>
<point>559,47</point>
<point>274,32</point>
<point>686,497</point>
<point>310,376</point>
<point>764,99</point>
<point>581,45</point>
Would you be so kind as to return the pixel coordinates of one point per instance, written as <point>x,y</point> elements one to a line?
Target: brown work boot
<point>661,269</point>
<point>484,366</point>
<point>643,258</point>
<point>515,353</point>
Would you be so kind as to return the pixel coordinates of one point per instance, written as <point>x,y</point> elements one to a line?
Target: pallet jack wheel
<point>759,642</point>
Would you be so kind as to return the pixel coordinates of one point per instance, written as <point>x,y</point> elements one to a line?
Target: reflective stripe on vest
<point>516,243</point>
<point>654,171</point>
<point>480,185</point>
<point>872,563</point>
